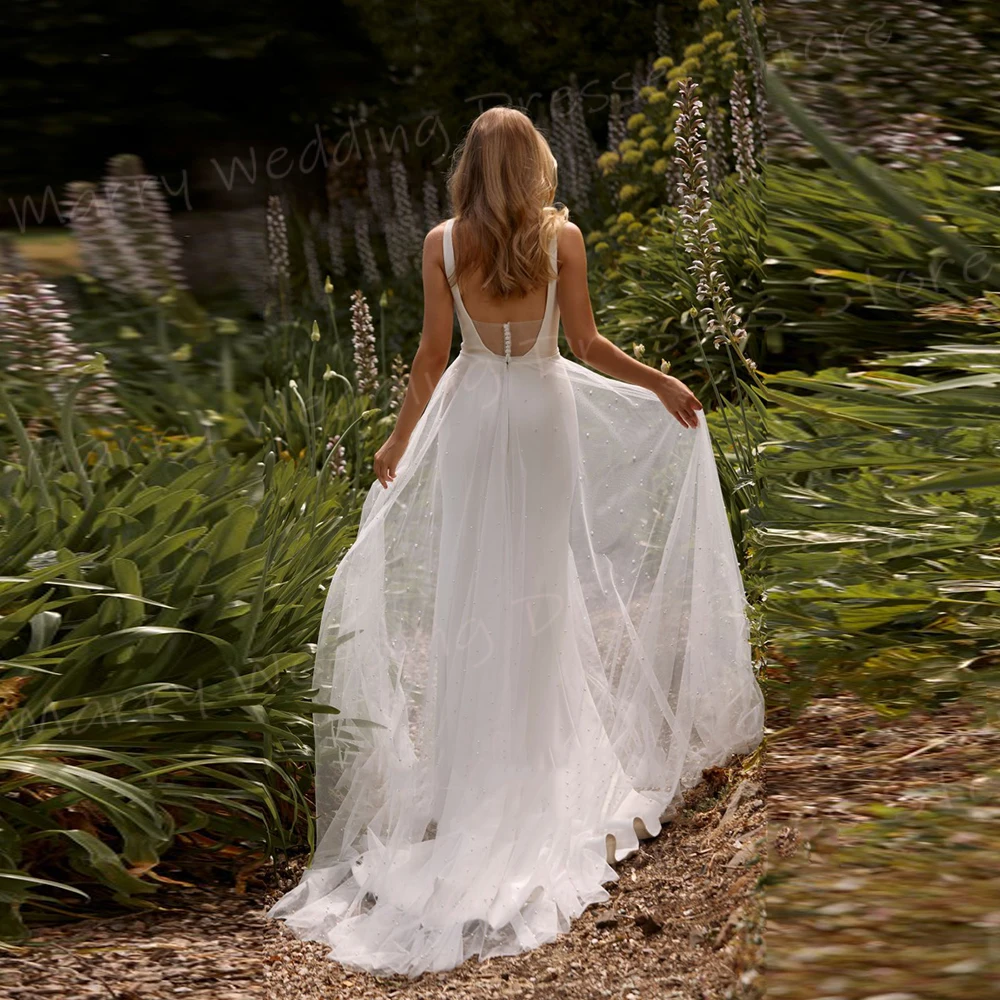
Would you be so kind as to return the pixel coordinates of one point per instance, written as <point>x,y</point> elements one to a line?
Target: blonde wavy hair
<point>502,186</point>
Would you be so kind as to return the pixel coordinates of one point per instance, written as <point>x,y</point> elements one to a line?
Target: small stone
<point>648,923</point>
<point>607,920</point>
<point>743,856</point>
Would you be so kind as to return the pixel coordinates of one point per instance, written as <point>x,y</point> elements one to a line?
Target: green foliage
<point>650,297</point>
<point>879,533</point>
<point>878,527</point>
<point>893,78</point>
<point>845,278</point>
<point>159,602</point>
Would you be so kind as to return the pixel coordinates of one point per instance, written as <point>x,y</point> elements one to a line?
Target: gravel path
<point>683,923</point>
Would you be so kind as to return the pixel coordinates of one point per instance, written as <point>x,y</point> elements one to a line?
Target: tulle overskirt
<point>538,638</point>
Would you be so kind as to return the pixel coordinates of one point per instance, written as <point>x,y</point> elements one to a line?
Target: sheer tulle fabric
<point>537,640</point>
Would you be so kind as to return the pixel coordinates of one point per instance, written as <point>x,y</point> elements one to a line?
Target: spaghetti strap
<point>449,252</point>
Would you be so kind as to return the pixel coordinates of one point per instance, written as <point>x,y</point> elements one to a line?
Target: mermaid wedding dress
<point>536,643</point>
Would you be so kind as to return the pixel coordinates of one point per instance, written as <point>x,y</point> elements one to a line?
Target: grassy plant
<point>878,535</point>
<point>159,602</point>
<point>845,277</point>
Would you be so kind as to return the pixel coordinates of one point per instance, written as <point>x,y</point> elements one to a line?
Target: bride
<point>538,639</point>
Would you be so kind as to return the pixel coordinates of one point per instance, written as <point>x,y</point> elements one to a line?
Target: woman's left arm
<point>430,360</point>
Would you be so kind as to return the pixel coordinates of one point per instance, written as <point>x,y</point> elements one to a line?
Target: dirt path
<point>682,924</point>
<point>202,943</point>
<point>884,839</point>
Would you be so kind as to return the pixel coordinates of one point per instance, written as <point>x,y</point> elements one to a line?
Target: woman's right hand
<point>679,400</point>
<point>387,458</point>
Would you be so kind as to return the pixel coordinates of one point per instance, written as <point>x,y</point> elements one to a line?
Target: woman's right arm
<point>594,348</point>
<point>430,360</point>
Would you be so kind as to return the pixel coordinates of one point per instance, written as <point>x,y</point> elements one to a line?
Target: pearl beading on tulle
<point>506,342</point>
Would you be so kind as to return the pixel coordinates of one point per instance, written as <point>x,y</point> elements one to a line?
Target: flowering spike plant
<point>561,143</point>
<point>335,242</point>
<point>336,456</point>
<point>616,123</point>
<point>105,247</point>
<point>698,231</point>
<point>277,241</point>
<point>377,198</point>
<point>404,219</point>
<point>716,145</point>
<point>311,233</point>
<point>759,86</point>
<point>36,346</point>
<point>124,231</point>
<point>661,31</point>
<point>432,202</point>
<point>384,220</point>
<point>398,379</point>
<point>363,245</point>
<point>742,129</point>
<point>136,199</point>
<point>366,374</point>
<point>583,145</point>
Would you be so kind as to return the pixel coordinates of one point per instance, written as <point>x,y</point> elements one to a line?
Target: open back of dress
<point>538,638</point>
<point>517,336</point>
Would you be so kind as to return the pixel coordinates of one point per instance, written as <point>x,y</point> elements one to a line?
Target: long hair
<point>502,185</point>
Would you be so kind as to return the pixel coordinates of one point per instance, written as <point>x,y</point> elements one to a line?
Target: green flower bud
<point>97,365</point>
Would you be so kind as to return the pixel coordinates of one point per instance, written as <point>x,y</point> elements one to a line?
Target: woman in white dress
<point>538,639</point>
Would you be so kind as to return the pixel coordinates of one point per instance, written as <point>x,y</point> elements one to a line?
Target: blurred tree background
<point>85,81</point>
<point>177,84</point>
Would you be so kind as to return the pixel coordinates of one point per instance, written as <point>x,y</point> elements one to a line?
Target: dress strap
<point>449,250</point>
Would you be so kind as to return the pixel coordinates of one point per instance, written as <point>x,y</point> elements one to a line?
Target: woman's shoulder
<point>569,241</point>
<point>436,233</point>
<point>570,231</point>
<point>434,241</point>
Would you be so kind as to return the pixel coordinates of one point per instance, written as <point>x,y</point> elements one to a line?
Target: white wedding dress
<point>537,639</point>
